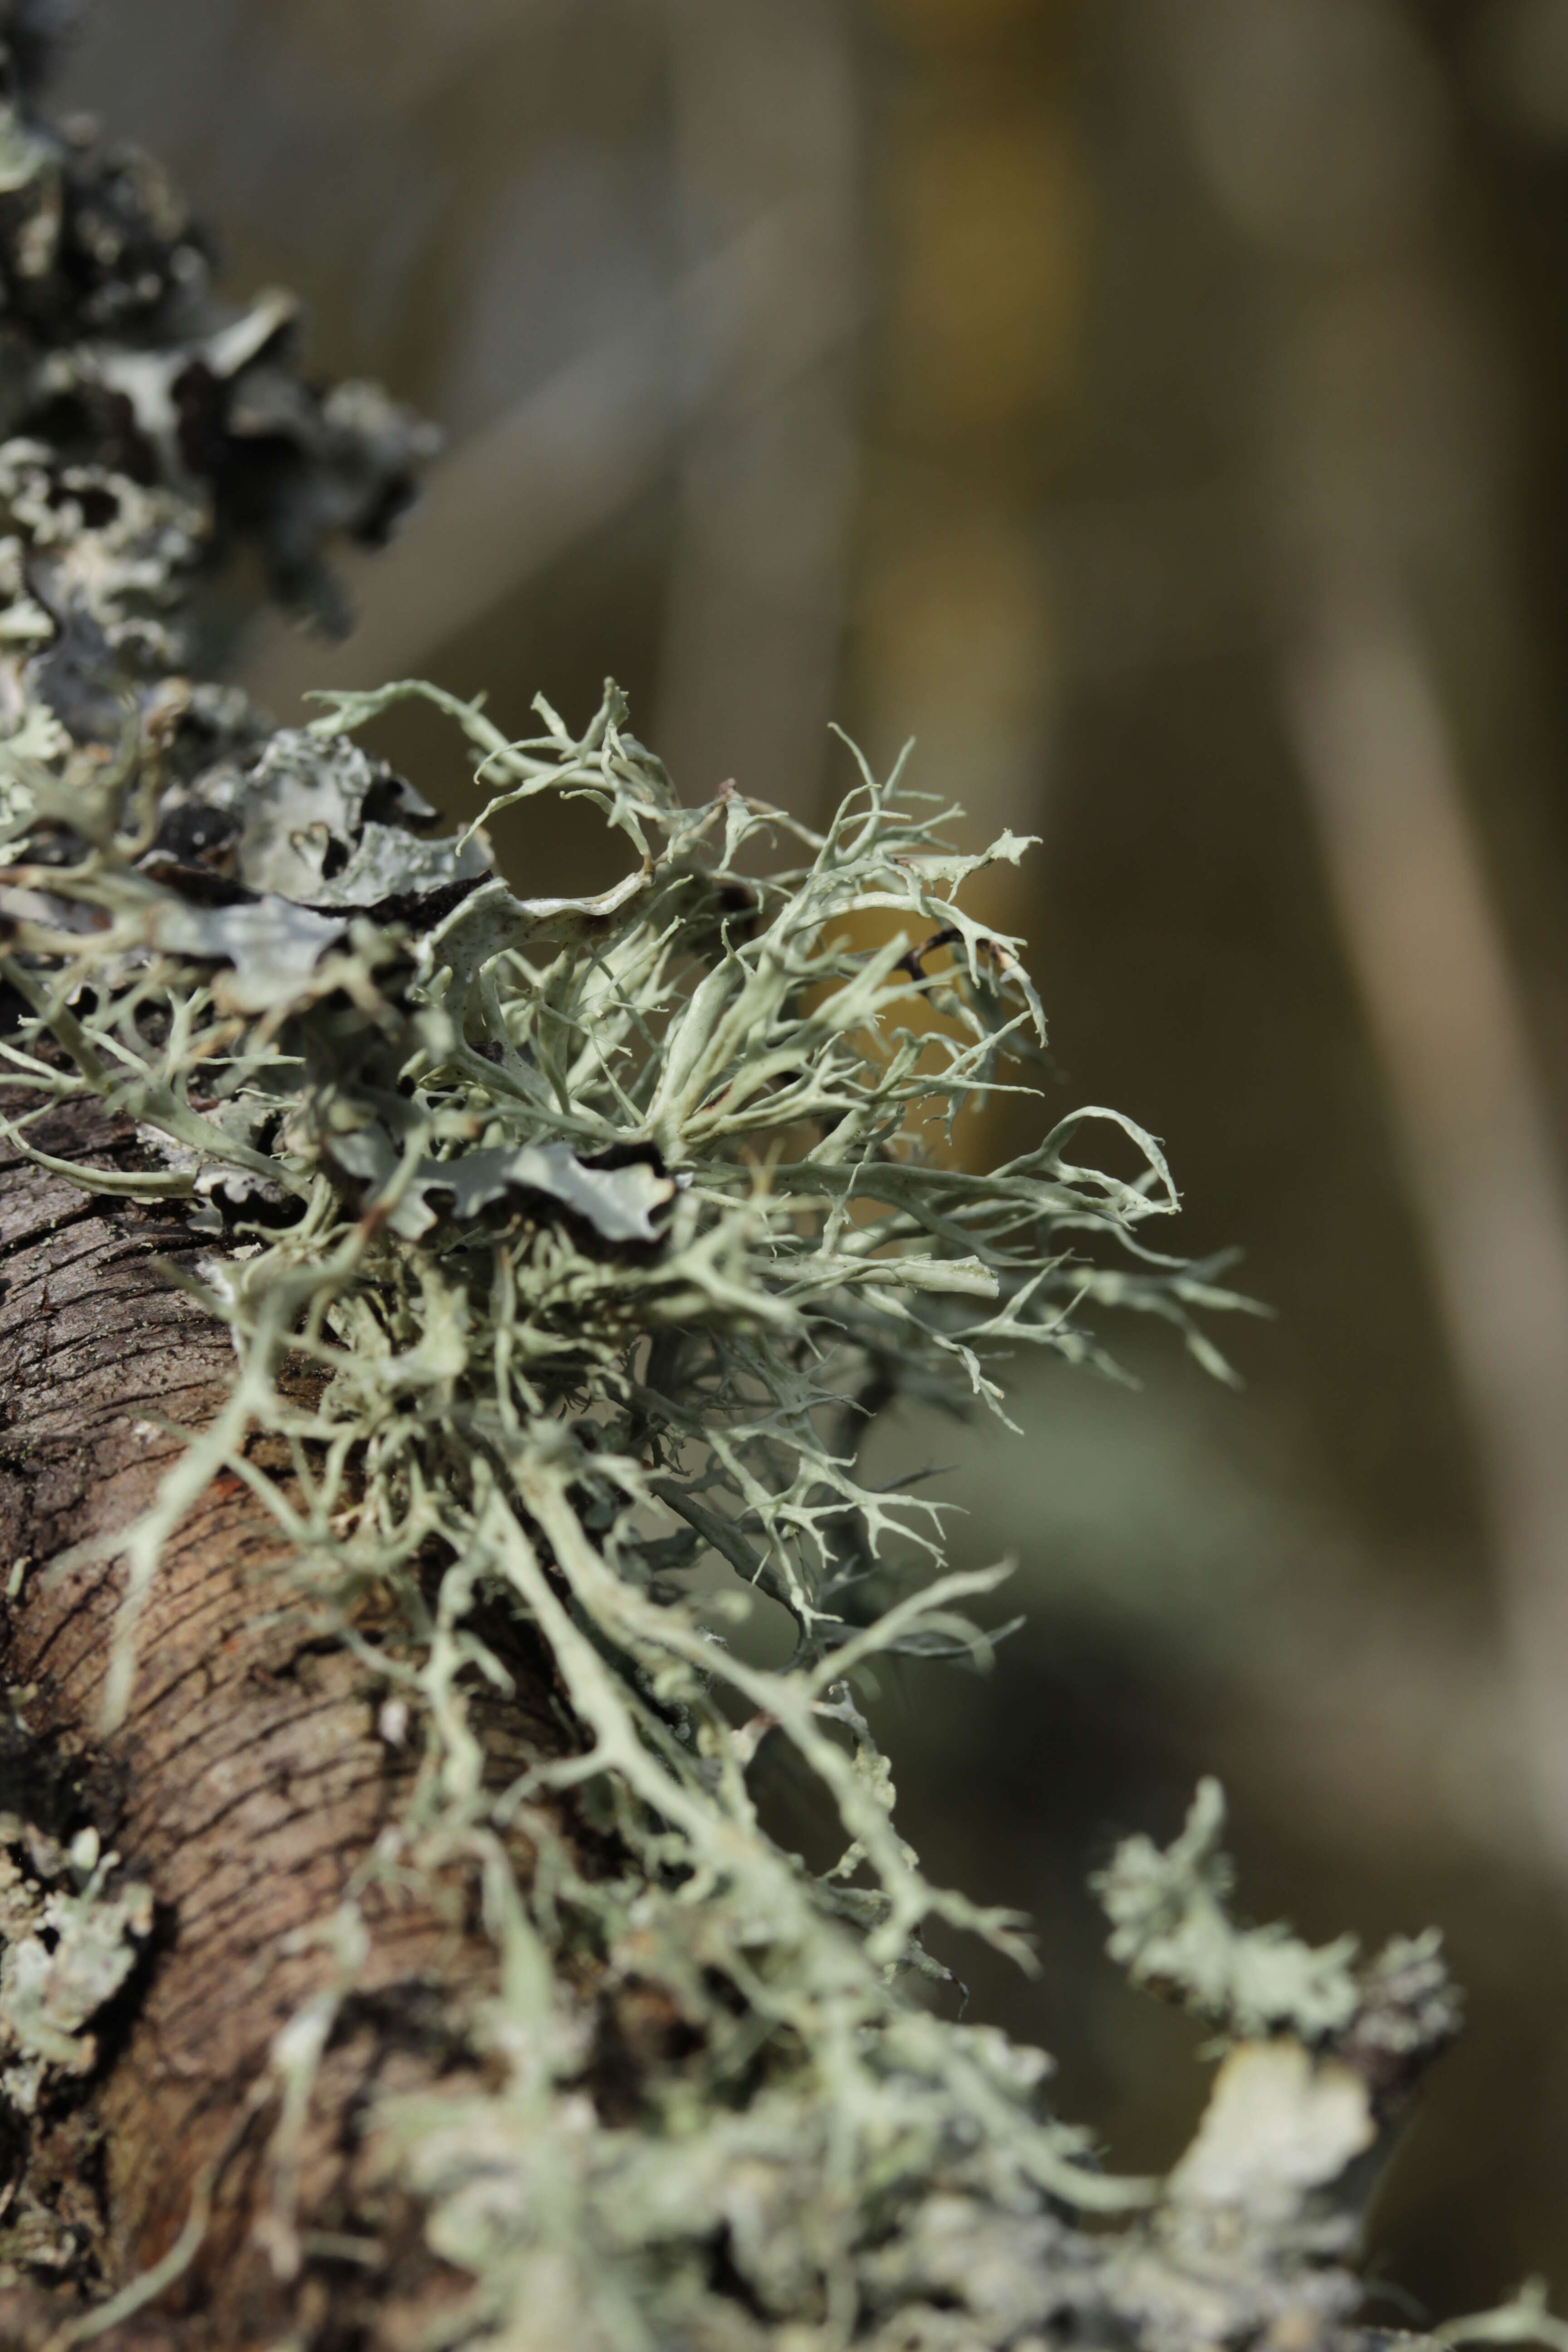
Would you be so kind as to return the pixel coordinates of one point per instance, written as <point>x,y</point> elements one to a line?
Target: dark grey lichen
<point>602,1223</point>
<point>148,425</point>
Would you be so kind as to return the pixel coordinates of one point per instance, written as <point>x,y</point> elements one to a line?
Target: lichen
<point>605,1226</point>
<point>1173,1934</point>
<point>569,1248</point>
<point>71,1928</point>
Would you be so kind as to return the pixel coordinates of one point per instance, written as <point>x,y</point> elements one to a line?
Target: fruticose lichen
<point>604,1225</point>
<point>569,1248</point>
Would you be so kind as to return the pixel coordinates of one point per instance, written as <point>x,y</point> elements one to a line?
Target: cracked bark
<point>247,1781</point>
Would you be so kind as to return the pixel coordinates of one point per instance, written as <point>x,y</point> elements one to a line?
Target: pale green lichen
<point>1172,1932</point>
<point>71,1930</point>
<point>605,1226</point>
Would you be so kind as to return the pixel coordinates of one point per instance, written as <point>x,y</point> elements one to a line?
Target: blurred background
<point>1159,408</point>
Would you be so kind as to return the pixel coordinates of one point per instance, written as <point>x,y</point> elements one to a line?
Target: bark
<point>247,1781</point>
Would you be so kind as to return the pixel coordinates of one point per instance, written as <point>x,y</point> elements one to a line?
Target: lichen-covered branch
<point>567,1249</point>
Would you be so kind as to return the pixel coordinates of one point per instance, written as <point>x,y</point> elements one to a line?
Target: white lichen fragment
<point>64,1955</point>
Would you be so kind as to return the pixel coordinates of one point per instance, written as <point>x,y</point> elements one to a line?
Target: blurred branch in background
<point>518,494</point>
<point>1383,479</point>
<point>1434,973</point>
<point>766,126</point>
<point>740,379</point>
<point>982,217</point>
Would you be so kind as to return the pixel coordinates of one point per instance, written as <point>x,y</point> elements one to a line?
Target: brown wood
<point>247,1780</point>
